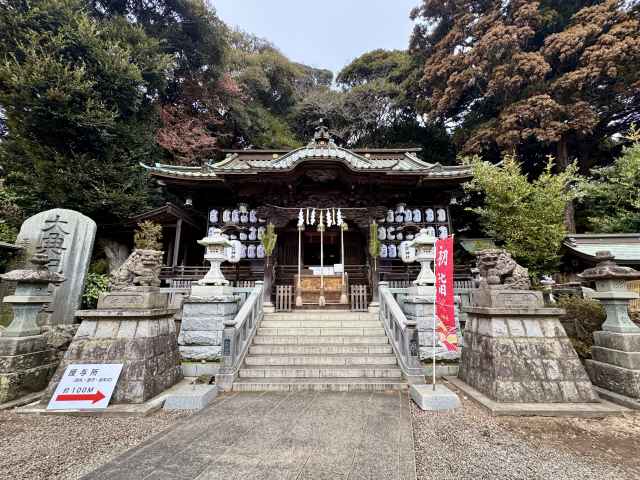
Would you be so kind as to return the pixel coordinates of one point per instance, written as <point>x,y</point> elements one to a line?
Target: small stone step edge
<point>259,385</point>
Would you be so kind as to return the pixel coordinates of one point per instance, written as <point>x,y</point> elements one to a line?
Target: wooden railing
<point>359,298</point>
<point>284,298</point>
<point>403,335</point>
<point>238,335</point>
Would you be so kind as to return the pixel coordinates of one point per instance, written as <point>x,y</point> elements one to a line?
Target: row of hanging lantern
<point>323,216</point>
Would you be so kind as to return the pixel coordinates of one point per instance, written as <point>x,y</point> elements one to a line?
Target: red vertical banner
<point>445,314</point>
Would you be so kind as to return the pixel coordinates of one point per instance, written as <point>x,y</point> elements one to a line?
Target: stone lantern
<point>219,249</point>
<point>26,362</point>
<point>31,295</point>
<point>419,303</point>
<point>615,364</point>
<point>210,305</point>
<point>422,250</point>
<point>610,279</point>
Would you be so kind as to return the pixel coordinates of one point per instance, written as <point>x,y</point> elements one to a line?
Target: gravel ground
<point>471,444</point>
<point>37,447</point>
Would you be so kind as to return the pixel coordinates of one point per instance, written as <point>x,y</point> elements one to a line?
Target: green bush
<point>94,285</point>
<point>584,316</point>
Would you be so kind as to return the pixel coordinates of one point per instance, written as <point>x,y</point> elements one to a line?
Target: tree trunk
<point>563,163</point>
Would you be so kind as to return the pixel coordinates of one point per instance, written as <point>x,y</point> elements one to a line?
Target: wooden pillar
<point>176,243</point>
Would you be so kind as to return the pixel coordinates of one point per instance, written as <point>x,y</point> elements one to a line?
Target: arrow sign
<point>81,397</point>
<point>86,386</point>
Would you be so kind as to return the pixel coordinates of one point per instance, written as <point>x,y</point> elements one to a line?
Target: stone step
<point>319,349</point>
<point>319,340</point>
<point>317,384</point>
<point>322,332</point>
<point>320,315</point>
<point>321,371</point>
<point>305,323</point>
<point>329,360</point>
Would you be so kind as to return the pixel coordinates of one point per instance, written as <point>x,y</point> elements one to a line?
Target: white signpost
<point>86,387</point>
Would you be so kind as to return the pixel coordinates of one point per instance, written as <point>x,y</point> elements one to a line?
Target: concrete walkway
<point>305,435</point>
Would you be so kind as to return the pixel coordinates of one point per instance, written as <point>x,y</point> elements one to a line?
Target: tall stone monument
<point>210,303</point>
<point>615,365</point>
<point>66,237</point>
<point>26,362</point>
<point>516,350</point>
<point>132,326</point>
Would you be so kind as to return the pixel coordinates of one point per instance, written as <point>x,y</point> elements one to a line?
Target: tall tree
<point>79,98</point>
<point>562,74</point>
<point>197,90</point>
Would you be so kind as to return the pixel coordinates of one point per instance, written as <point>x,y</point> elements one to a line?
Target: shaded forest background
<point>90,88</point>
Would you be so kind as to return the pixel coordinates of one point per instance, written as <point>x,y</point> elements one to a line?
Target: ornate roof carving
<point>321,148</point>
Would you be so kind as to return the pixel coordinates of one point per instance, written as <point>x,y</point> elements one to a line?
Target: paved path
<point>307,435</point>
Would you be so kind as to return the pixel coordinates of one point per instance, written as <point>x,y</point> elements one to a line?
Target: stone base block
<point>623,381</point>
<point>195,369</point>
<point>140,298</point>
<point>629,360</point>
<point>199,353</point>
<point>626,342</point>
<point>191,397</point>
<point>434,400</point>
<point>15,385</point>
<point>20,345</point>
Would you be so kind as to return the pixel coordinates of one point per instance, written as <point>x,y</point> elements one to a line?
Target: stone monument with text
<point>67,238</point>
<point>516,350</point>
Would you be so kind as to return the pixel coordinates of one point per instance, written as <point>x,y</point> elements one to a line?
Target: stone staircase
<point>320,350</point>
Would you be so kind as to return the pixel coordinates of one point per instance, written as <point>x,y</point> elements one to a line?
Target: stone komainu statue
<point>497,268</point>
<point>142,268</point>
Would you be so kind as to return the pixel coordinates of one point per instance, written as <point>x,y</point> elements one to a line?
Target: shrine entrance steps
<point>320,350</point>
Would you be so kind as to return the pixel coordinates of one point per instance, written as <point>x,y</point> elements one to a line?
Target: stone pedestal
<point>203,317</point>
<point>132,327</point>
<point>418,307</point>
<point>26,365</point>
<point>517,351</point>
<point>616,363</point>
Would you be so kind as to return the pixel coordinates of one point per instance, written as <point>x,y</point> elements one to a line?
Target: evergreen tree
<point>558,73</point>
<point>79,96</point>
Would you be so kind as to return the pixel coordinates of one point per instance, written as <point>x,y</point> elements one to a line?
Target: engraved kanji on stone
<point>52,240</point>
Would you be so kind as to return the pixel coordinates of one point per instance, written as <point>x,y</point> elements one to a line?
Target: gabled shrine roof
<point>625,247</point>
<point>401,161</point>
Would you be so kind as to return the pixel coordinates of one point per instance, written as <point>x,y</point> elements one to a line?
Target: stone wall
<point>202,325</point>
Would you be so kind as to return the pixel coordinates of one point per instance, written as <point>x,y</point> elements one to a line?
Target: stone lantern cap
<point>39,274</point>
<point>215,238</point>
<point>607,269</point>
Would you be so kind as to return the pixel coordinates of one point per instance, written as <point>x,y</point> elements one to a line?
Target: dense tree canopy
<point>78,95</point>
<point>89,88</point>
<point>554,72</point>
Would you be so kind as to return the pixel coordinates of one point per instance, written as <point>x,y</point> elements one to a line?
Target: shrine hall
<point>340,217</point>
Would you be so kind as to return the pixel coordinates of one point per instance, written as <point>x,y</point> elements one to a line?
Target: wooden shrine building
<point>250,189</point>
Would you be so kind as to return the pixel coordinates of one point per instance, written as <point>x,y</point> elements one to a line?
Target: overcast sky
<point>323,33</point>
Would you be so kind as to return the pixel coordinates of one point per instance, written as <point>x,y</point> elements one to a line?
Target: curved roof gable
<point>322,147</point>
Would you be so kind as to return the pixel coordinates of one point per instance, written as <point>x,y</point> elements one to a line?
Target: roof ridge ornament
<point>322,137</point>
